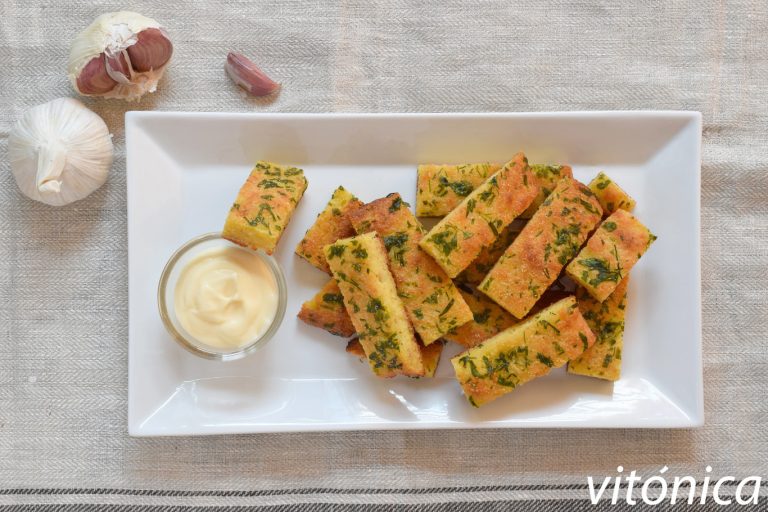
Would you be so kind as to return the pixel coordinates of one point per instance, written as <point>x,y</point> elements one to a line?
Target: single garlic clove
<point>118,67</point>
<point>151,51</point>
<point>247,75</point>
<point>94,79</point>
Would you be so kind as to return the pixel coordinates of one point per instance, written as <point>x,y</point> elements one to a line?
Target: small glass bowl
<point>167,287</point>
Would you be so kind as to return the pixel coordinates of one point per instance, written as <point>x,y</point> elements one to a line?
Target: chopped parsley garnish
<point>333,298</point>
<point>544,360</point>
<point>446,241</point>
<point>260,217</point>
<point>380,357</point>
<point>584,340</point>
<point>460,188</point>
<point>588,206</point>
<point>397,241</point>
<point>494,224</point>
<point>396,204</point>
<point>483,316</point>
<point>376,308</point>
<point>545,324</point>
<point>447,307</point>
<point>601,269</point>
<point>336,251</point>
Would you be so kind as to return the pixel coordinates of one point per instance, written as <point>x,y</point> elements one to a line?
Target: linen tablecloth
<point>63,272</point>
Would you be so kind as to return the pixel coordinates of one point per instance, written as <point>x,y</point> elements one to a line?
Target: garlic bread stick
<point>331,224</point>
<point>610,254</point>
<point>606,319</point>
<point>264,206</point>
<point>611,196</point>
<point>326,311</point>
<point>479,220</point>
<point>530,349</point>
<point>433,303</point>
<point>359,265</point>
<point>546,244</point>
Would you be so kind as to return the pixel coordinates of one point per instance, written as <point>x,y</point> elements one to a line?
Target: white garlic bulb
<point>119,55</point>
<point>60,152</point>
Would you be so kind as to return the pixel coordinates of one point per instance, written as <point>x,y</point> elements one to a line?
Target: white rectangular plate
<point>184,170</point>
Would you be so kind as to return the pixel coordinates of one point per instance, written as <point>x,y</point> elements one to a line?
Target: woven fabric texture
<point>63,272</point>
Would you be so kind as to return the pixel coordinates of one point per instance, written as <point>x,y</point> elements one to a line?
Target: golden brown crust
<point>264,206</point>
<point>440,188</point>
<point>359,265</point>
<point>547,243</point>
<point>331,224</point>
<point>606,319</point>
<point>610,254</point>
<point>523,352</point>
<point>432,301</point>
<point>431,355</point>
<point>356,349</point>
<point>326,311</point>
<point>459,237</point>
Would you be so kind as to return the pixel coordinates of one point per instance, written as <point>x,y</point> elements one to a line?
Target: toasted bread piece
<point>440,188</point>
<point>610,254</point>
<point>356,349</point>
<point>359,265</point>
<point>611,196</point>
<point>547,177</point>
<point>430,354</point>
<point>489,319</point>
<point>477,222</point>
<point>547,243</point>
<point>606,319</point>
<point>479,268</point>
<point>264,206</point>
<point>433,303</point>
<point>326,311</point>
<point>523,352</point>
<point>331,224</point>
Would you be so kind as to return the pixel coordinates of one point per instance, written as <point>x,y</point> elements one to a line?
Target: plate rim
<point>689,419</point>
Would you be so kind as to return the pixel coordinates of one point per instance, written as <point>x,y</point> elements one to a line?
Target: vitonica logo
<point>660,488</point>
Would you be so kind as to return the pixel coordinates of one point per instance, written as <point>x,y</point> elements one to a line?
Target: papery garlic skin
<point>120,55</point>
<point>60,152</point>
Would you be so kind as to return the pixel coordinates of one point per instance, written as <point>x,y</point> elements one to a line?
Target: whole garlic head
<point>120,55</point>
<point>60,152</point>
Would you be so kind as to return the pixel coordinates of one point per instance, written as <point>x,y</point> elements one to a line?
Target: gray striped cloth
<point>63,282</point>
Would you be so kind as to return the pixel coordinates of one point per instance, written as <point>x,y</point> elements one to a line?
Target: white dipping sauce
<point>226,297</point>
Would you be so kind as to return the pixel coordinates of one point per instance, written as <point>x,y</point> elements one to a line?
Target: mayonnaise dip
<point>226,297</point>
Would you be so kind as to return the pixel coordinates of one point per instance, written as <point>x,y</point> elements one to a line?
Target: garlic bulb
<point>119,55</point>
<point>60,152</point>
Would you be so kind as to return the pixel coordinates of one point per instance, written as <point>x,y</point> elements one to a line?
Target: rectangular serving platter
<point>184,170</point>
